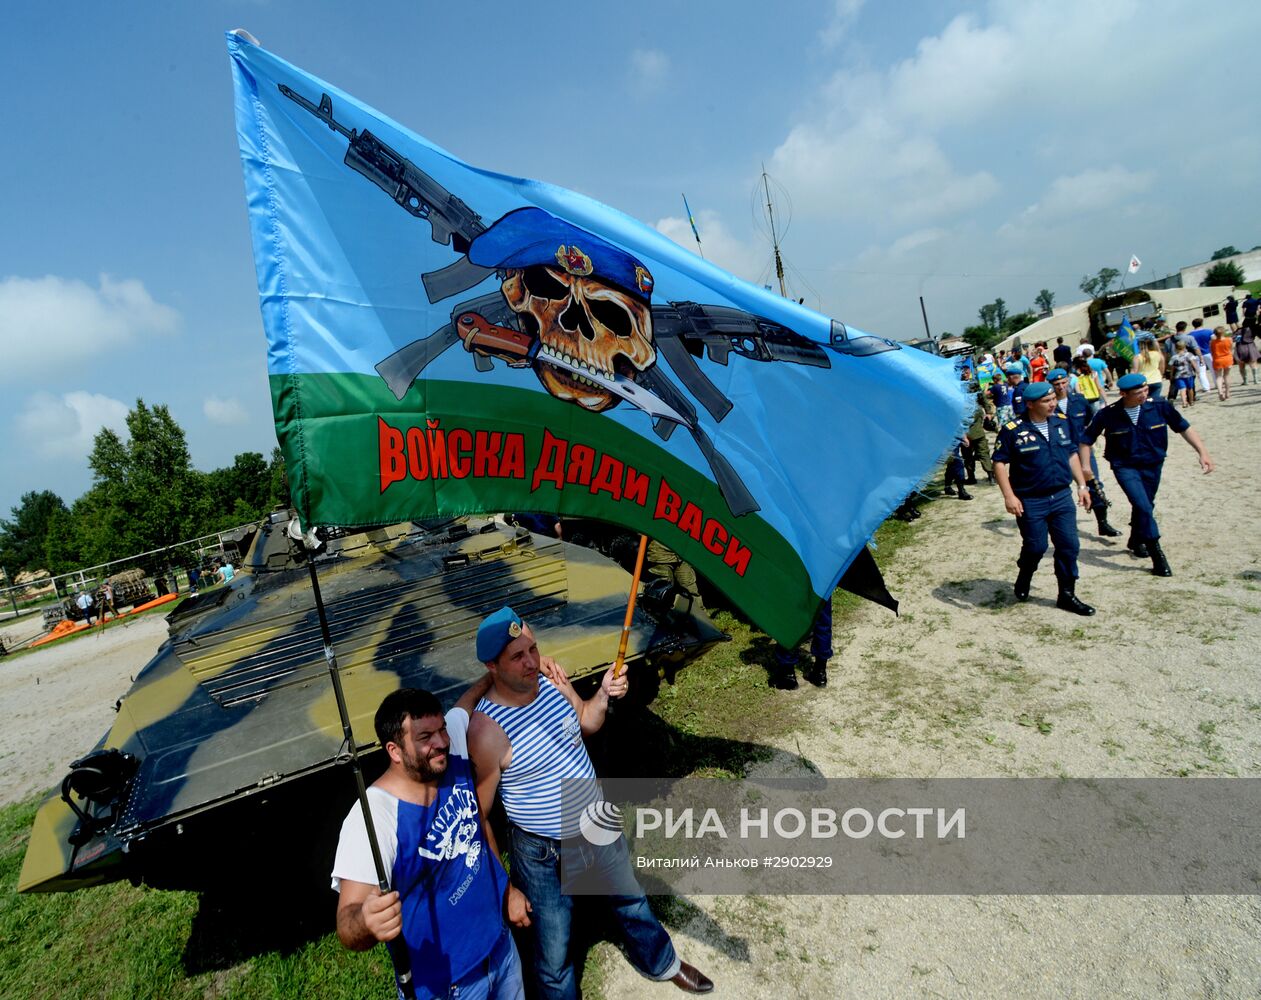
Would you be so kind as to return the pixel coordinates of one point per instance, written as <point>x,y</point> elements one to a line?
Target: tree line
<point>145,495</point>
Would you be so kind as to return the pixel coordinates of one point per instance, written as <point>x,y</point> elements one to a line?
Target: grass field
<point>121,941</point>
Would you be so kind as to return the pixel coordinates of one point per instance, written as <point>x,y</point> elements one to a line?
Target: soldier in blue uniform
<point>1076,407</point>
<point>1034,462</point>
<point>1136,431</point>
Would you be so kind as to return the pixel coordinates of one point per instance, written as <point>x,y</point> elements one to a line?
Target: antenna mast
<point>770,214</point>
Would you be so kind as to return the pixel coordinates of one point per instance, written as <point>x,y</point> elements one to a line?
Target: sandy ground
<point>1162,682</point>
<point>57,702</point>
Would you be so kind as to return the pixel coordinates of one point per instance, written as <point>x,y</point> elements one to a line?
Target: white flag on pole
<point>1135,264</point>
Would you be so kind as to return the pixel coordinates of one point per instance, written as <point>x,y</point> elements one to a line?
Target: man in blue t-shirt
<point>1204,344</point>
<point>447,896</point>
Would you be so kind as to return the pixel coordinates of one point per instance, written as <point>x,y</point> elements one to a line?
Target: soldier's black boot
<point>964,494</point>
<point>1160,565</point>
<point>818,673</point>
<point>1024,580</point>
<point>1099,505</point>
<point>1139,548</point>
<point>1105,529</point>
<point>1068,601</point>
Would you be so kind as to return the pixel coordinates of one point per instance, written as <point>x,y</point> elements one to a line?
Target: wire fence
<point>163,570</point>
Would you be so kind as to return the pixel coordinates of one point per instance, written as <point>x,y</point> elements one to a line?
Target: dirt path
<point>58,701</point>
<point>1165,680</point>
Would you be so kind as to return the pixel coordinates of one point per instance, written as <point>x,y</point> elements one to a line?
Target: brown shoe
<point>691,980</point>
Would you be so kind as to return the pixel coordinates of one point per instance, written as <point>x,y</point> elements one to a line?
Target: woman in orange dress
<point>1223,358</point>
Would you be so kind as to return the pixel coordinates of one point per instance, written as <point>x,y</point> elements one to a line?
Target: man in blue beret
<point>1034,462</point>
<point>1136,430</point>
<point>526,740</point>
<point>1075,406</point>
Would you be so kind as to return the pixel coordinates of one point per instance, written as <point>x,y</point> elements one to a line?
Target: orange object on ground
<point>66,627</point>
<point>164,599</point>
<point>62,628</point>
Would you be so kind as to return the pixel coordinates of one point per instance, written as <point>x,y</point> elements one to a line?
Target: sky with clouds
<point>958,151</point>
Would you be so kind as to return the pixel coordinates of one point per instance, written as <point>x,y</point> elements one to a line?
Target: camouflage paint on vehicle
<point>235,715</point>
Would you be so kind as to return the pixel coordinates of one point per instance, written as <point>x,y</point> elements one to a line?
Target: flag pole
<point>397,948</point>
<point>692,222</point>
<point>620,663</point>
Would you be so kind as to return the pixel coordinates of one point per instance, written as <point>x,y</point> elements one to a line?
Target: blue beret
<point>1036,390</point>
<point>531,236</point>
<point>495,632</point>
<point>1014,370</point>
<point>1055,373</point>
<point>1134,380</point>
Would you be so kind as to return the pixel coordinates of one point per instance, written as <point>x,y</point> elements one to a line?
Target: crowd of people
<point>1050,409</point>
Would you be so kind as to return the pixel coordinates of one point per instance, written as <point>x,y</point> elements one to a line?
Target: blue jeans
<point>1140,486</point>
<point>497,978</point>
<point>1058,515</point>
<point>536,871</point>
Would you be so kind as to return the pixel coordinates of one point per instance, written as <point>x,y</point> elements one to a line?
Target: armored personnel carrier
<point>224,761</point>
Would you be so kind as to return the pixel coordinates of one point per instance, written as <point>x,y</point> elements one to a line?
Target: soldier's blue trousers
<point>820,638</point>
<point>1057,516</point>
<point>1140,486</point>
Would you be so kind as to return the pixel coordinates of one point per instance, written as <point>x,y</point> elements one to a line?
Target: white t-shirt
<point>354,856</point>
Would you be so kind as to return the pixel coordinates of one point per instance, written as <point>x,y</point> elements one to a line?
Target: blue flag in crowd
<point>447,340</point>
<point>1125,341</point>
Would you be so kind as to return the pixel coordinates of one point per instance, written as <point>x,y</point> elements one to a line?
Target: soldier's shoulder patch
<point>1011,425</point>
<point>1061,415</point>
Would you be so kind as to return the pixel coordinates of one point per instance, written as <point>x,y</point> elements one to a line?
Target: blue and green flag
<point>446,340</point>
<point>1125,340</point>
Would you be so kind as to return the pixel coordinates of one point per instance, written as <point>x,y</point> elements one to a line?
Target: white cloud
<point>844,12</point>
<point>64,426</point>
<point>720,246</point>
<point>874,170</point>
<point>649,69</point>
<point>224,411</point>
<point>54,322</point>
<point>1092,190</point>
<point>916,240</point>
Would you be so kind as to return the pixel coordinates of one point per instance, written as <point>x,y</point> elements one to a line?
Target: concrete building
<point>1191,275</point>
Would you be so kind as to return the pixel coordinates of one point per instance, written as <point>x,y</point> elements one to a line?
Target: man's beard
<point>420,769</point>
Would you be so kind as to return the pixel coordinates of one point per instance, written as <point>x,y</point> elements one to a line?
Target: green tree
<point>145,489</point>
<point>22,539</point>
<point>1098,286</point>
<point>1045,300</point>
<point>1223,252</point>
<point>982,337</point>
<point>1018,322</point>
<point>278,494</point>
<point>1000,313</point>
<point>1224,272</point>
